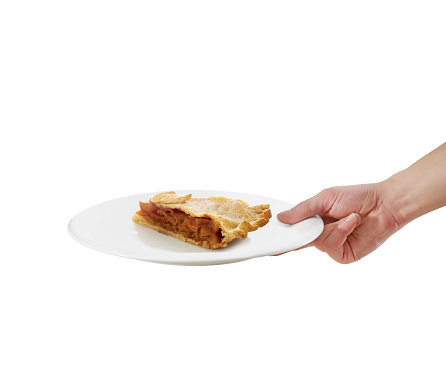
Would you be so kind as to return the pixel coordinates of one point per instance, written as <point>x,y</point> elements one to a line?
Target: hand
<point>358,219</point>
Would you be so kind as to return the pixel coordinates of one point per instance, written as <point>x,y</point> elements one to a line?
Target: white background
<point>103,99</point>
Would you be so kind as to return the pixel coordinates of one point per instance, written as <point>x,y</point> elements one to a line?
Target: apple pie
<point>208,222</point>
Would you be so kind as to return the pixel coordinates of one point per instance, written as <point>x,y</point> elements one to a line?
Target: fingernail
<point>351,218</point>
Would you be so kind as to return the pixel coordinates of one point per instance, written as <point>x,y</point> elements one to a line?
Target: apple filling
<point>202,229</point>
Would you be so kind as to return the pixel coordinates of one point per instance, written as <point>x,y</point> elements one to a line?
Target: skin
<point>358,219</point>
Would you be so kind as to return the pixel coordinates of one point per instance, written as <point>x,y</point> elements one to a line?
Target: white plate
<point>108,227</point>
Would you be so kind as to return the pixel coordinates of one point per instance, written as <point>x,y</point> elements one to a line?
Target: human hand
<point>358,219</point>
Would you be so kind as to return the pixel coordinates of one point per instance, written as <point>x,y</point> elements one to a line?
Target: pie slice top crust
<point>208,222</point>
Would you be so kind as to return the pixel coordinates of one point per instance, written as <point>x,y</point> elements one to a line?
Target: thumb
<point>318,204</point>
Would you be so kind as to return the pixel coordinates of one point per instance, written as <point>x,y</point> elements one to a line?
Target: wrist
<point>398,197</point>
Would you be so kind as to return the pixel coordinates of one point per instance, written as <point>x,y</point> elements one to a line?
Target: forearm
<point>419,189</point>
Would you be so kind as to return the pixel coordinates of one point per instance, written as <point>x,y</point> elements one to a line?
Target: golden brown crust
<point>234,217</point>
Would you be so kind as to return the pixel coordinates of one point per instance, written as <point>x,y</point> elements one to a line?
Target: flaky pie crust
<point>234,217</point>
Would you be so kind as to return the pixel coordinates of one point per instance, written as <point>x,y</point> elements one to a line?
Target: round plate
<point>108,227</point>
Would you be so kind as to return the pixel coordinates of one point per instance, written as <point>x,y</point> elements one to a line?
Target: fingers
<point>334,236</point>
<point>318,204</point>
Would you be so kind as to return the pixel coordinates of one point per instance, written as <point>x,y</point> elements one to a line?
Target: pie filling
<point>200,229</point>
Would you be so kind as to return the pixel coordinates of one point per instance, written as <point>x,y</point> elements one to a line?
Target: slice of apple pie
<point>208,222</point>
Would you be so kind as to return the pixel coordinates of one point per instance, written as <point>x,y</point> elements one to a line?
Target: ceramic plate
<point>108,227</point>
